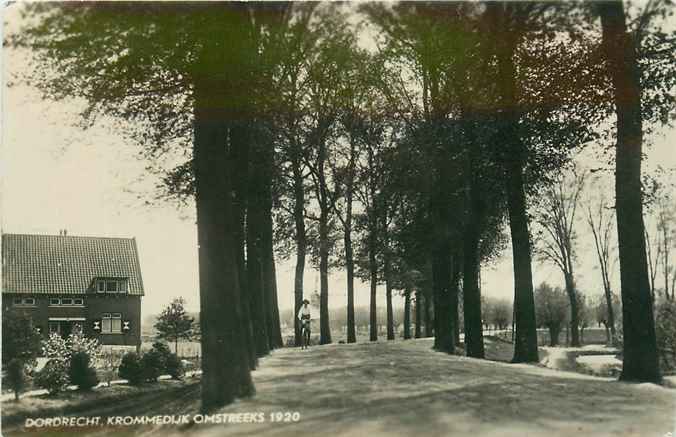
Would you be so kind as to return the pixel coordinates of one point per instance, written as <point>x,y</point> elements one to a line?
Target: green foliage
<point>20,339</point>
<point>172,364</point>
<point>497,312</point>
<point>131,368</point>
<point>16,375</point>
<point>62,349</point>
<point>153,363</point>
<point>80,372</point>
<point>174,323</point>
<point>551,305</point>
<point>53,377</point>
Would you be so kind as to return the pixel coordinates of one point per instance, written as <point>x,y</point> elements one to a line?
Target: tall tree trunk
<point>418,313</point>
<point>324,325</point>
<point>554,331</point>
<point>301,245</point>
<point>640,358</point>
<point>225,359</point>
<point>427,311</point>
<point>526,342</point>
<point>324,211</point>
<point>474,344</point>
<point>349,263</point>
<point>239,145</point>
<point>455,284</point>
<point>441,282</point>
<point>349,253</point>
<point>611,316</point>
<point>407,313</point>
<point>388,296</point>
<point>254,261</point>
<point>373,269</point>
<point>574,311</point>
<point>269,272</point>
<point>277,340</point>
<point>267,246</point>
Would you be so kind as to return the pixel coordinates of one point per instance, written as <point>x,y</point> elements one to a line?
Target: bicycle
<point>305,334</point>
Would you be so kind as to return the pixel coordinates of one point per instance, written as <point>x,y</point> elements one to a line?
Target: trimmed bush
<point>81,373</point>
<point>153,364</point>
<point>53,377</point>
<point>131,368</point>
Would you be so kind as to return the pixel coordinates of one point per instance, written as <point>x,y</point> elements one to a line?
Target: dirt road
<point>404,388</point>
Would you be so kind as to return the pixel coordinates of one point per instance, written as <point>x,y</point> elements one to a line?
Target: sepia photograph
<point>338,218</point>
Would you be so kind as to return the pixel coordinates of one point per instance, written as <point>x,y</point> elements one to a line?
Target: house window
<point>26,301</point>
<point>78,301</point>
<point>54,301</point>
<point>110,286</point>
<point>66,301</point>
<point>111,323</point>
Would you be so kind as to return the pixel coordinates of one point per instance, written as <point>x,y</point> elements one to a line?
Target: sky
<point>54,175</point>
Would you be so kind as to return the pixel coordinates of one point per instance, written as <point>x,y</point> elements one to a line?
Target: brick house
<point>73,284</point>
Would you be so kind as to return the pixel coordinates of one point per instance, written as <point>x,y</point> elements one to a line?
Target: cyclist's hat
<point>305,301</point>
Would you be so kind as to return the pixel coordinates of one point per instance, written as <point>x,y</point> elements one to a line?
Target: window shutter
<point>126,326</point>
<point>97,326</point>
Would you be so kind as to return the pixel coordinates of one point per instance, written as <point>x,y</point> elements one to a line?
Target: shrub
<point>53,377</point>
<point>90,346</point>
<point>131,368</point>
<point>16,377</point>
<point>174,367</point>
<point>80,372</point>
<point>153,364</point>
<point>56,347</point>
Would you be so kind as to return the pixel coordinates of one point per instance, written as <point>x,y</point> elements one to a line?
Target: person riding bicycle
<point>305,318</point>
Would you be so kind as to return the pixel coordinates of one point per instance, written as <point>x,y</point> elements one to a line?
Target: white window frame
<point>111,323</point>
<point>102,286</point>
<point>65,299</point>
<point>53,299</point>
<point>24,301</point>
<point>81,302</point>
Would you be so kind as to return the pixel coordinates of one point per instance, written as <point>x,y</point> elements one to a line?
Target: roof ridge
<point>69,236</point>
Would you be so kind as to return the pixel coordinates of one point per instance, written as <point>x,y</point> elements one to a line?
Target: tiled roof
<point>55,264</point>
